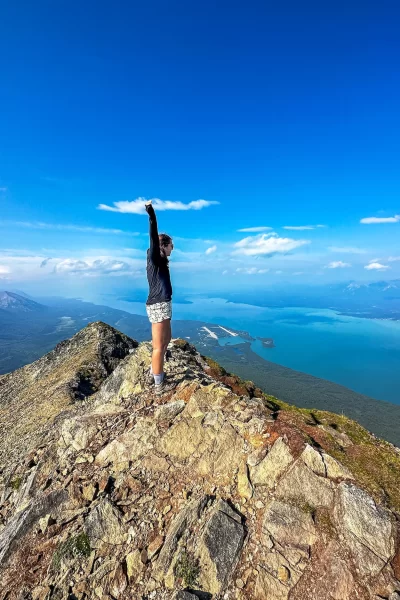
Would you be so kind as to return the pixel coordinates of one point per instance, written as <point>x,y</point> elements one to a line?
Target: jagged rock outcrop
<point>33,396</point>
<point>214,491</point>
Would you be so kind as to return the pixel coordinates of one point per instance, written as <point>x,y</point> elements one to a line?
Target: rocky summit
<point>213,491</point>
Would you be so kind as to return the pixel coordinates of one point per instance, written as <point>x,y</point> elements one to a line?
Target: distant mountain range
<point>378,300</point>
<point>12,302</point>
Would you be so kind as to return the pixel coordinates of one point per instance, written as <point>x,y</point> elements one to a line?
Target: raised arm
<point>153,231</point>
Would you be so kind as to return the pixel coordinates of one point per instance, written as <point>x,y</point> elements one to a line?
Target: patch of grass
<point>216,369</point>
<point>77,546</point>
<point>16,483</point>
<point>305,507</point>
<point>324,522</point>
<point>187,569</point>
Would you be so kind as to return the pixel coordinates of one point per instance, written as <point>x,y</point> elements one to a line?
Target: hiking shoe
<point>149,378</point>
<point>164,387</point>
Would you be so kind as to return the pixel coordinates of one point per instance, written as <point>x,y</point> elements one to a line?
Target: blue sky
<point>276,117</point>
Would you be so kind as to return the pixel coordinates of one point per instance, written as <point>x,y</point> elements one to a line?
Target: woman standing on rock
<point>159,301</point>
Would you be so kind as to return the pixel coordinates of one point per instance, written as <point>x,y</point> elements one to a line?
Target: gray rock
<point>289,525</point>
<point>272,466</point>
<point>24,520</point>
<point>302,484</point>
<point>181,523</point>
<point>168,412</point>
<point>219,548</point>
<point>313,460</point>
<point>103,525</point>
<point>335,469</point>
<point>182,595</point>
<point>368,529</point>
<point>269,588</point>
<point>129,446</point>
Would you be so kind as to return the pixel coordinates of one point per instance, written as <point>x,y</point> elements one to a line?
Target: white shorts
<point>159,312</point>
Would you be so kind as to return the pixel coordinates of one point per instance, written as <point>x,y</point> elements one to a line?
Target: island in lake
<point>267,342</point>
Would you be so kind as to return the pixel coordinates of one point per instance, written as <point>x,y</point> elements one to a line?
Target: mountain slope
<point>10,301</point>
<point>214,491</point>
<point>33,396</point>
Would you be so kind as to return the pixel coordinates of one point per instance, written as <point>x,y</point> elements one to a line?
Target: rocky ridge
<point>216,491</point>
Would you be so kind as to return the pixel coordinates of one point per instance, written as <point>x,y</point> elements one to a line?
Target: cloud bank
<point>254,229</point>
<point>376,266</point>
<point>266,244</point>
<point>94,268</point>
<point>371,220</point>
<point>137,206</point>
<point>338,264</point>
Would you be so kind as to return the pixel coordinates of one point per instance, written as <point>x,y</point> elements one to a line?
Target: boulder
<point>134,566</point>
<point>289,525</point>
<point>268,471</point>
<point>168,412</point>
<point>103,525</point>
<point>302,484</point>
<point>335,469</point>
<point>129,446</point>
<point>183,521</point>
<point>313,460</point>
<point>219,547</point>
<point>23,521</point>
<point>368,529</point>
<point>269,588</point>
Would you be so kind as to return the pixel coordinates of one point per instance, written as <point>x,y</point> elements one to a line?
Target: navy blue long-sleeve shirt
<point>160,288</point>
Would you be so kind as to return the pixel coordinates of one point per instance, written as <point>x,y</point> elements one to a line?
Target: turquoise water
<point>362,354</point>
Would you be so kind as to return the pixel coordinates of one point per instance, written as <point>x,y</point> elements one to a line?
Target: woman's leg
<point>167,334</point>
<point>158,336</point>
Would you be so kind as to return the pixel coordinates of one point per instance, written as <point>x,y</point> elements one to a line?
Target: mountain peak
<point>11,301</point>
<point>215,490</point>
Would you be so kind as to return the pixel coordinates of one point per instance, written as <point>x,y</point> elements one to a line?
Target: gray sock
<point>158,378</point>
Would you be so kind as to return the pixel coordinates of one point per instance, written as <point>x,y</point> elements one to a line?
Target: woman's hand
<point>147,205</point>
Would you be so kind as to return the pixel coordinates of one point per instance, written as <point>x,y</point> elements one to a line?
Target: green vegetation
<point>187,569</point>
<point>16,483</point>
<point>74,547</point>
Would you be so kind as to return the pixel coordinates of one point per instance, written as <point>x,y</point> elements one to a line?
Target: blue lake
<point>362,354</point>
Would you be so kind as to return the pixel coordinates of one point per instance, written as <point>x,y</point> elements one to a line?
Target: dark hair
<point>165,240</point>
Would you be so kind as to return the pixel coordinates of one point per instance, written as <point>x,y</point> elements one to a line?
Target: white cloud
<point>279,272</point>
<point>302,227</point>
<point>376,266</point>
<point>224,272</point>
<point>254,229</point>
<point>94,268</point>
<point>3,189</point>
<point>338,264</point>
<point>4,270</point>
<point>393,258</point>
<point>137,206</point>
<point>251,270</point>
<point>266,244</point>
<point>299,273</point>
<point>66,227</point>
<point>211,249</point>
<point>370,220</point>
<point>347,250</point>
